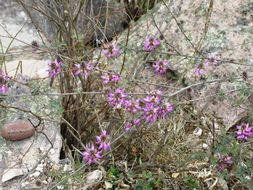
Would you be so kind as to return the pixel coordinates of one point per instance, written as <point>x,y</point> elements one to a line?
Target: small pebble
<point>56,167</point>
<point>197,131</point>
<point>35,174</point>
<point>60,187</point>
<point>24,184</point>
<point>40,168</point>
<point>22,14</point>
<point>66,167</point>
<point>52,151</point>
<point>205,146</point>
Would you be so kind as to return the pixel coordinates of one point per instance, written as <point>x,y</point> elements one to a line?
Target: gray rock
<point>15,22</point>
<point>97,19</point>
<point>93,178</point>
<point>33,68</point>
<point>45,144</point>
<point>11,173</point>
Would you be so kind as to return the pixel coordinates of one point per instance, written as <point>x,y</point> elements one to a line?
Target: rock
<point>197,132</point>
<point>17,130</point>
<point>24,184</point>
<point>13,19</point>
<point>35,174</point>
<point>91,21</point>
<point>60,187</point>
<point>108,185</point>
<point>29,67</point>
<point>175,175</point>
<point>10,174</point>
<point>67,167</point>
<point>222,184</point>
<point>205,146</point>
<point>40,168</point>
<point>32,154</point>
<point>93,178</point>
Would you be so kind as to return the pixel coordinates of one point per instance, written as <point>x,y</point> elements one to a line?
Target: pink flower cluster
<point>54,68</point>
<point>150,44</point>
<point>149,109</point>
<point>92,152</point>
<point>202,69</point>
<point>82,69</point>
<point>128,125</point>
<point>117,98</point>
<point>110,51</point>
<point>244,131</point>
<point>160,66</point>
<point>3,82</point>
<point>102,141</point>
<point>224,162</point>
<point>108,78</point>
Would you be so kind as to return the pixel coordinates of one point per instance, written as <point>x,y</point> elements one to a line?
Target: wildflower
<point>54,68</point>
<point>225,162</point>
<point>117,98</point>
<point>200,69</point>
<point>3,82</point>
<point>91,154</point>
<point>244,131</point>
<point>109,78</point>
<point>150,113</point>
<point>102,141</point>
<point>132,105</point>
<point>82,69</point>
<point>160,67</point>
<point>165,110</point>
<point>76,69</point>
<point>212,60</point>
<point>129,125</point>
<point>141,103</point>
<point>110,50</point>
<point>150,44</point>
<point>153,99</point>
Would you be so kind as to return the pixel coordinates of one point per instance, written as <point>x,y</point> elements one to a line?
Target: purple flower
<point>129,125</point>
<point>160,67</point>
<point>141,103</point>
<point>200,69</point>
<point>109,78</point>
<point>132,105</point>
<point>150,113</point>
<point>165,110</point>
<point>212,60</point>
<point>110,50</point>
<point>3,82</point>
<point>76,69</point>
<point>224,162</point>
<point>244,131</point>
<point>117,98</point>
<point>54,68</point>
<point>153,99</point>
<point>102,141</point>
<point>91,154</point>
<point>150,44</point>
<point>82,69</point>
<point>115,78</point>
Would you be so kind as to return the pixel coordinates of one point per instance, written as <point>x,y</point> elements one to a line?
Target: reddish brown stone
<point>17,130</point>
